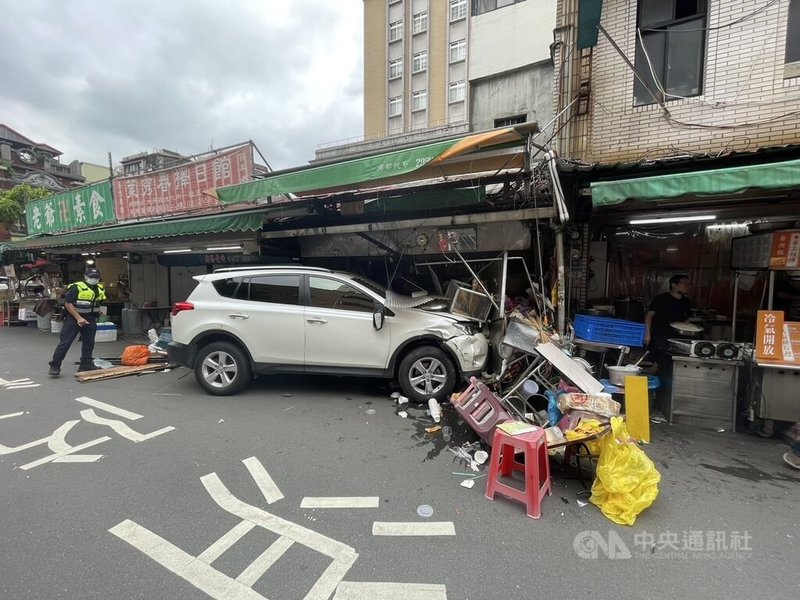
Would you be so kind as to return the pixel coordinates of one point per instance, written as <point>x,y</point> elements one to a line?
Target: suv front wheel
<point>426,372</point>
<point>222,369</point>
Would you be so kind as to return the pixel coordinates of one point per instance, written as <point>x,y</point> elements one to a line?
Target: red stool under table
<point>536,469</point>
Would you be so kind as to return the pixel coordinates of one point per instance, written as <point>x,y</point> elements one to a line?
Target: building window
<point>483,6</point>
<point>793,40</point>
<point>458,9</point>
<point>395,31</point>
<point>419,62</point>
<point>420,22</point>
<point>395,106</point>
<point>456,92</point>
<point>669,53</point>
<point>395,68</point>
<point>419,100</point>
<point>394,1</point>
<point>458,51</point>
<point>509,121</point>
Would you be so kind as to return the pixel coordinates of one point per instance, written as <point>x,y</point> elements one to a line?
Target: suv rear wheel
<point>222,369</point>
<point>426,372</point>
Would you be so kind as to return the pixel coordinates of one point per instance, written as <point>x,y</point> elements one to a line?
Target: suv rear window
<point>276,289</point>
<point>231,287</point>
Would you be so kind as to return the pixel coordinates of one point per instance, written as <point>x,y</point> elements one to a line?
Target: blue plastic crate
<point>609,331</point>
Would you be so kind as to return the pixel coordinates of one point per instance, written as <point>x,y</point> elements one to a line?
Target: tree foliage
<point>12,202</point>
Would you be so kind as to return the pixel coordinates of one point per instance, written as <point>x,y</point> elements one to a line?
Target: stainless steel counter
<point>704,392</point>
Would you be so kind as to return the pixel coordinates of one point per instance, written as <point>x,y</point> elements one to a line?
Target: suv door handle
<point>238,316</point>
<point>316,320</point>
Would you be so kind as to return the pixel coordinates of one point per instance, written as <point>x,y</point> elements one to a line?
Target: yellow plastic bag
<point>627,480</point>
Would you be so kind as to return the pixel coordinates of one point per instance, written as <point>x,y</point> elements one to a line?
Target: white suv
<point>242,322</point>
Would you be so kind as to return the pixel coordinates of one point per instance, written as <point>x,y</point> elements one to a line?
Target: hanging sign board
<point>181,189</point>
<point>777,341</point>
<point>785,250</point>
<point>76,209</point>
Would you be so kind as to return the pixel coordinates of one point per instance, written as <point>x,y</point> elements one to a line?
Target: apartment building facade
<point>677,77</point>
<point>437,68</point>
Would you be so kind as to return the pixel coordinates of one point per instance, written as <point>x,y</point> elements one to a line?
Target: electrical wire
<point>724,26</point>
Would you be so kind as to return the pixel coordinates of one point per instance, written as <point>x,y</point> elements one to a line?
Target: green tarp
<point>218,223</point>
<point>717,182</point>
<point>468,154</point>
<point>352,172</point>
<point>79,208</point>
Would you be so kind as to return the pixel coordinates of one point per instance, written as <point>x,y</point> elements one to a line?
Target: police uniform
<point>87,299</point>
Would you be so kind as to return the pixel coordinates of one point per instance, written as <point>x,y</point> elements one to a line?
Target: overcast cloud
<point>96,76</point>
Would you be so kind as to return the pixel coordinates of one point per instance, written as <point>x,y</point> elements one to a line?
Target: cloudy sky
<point>96,76</point>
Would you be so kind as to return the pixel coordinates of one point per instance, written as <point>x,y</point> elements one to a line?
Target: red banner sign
<point>785,250</point>
<point>181,189</point>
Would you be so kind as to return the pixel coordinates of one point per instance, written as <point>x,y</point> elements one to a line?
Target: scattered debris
<point>433,429</point>
<point>447,433</point>
<point>287,395</point>
<point>395,395</point>
<point>425,510</point>
<point>720,430</point>
<point>115,372</point>
<point>468,483</point>
<point>401,400</point>
<point>221,421</point>
<point>564,500</point>
<point>370,411</point>
<point>435,409</point>
<point>481,456</point>
<point>288,408</point>
<point>581,503</point>
<point>402,414</point>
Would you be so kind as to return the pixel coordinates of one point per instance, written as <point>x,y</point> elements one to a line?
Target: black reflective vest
<point>88,301</point>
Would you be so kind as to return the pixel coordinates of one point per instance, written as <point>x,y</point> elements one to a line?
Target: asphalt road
<point>725,523</point>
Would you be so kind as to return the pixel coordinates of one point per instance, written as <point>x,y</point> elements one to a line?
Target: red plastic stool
<point>536,469</point>
<point>480,408</point>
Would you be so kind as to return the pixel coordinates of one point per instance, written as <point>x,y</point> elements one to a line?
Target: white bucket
<point>56,325</point>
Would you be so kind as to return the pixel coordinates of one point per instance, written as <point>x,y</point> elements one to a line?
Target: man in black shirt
<point>666,308</point>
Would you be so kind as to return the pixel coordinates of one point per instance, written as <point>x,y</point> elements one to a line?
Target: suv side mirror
<point>378,318</point>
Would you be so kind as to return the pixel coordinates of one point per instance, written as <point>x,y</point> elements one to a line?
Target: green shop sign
<point>76,209</point>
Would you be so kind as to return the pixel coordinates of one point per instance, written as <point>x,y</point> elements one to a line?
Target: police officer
<point>82,305</point>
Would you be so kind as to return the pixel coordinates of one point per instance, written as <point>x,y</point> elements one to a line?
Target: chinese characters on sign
<point>183,188</point>
<point>785,250</point>
<point>76,209</point>
<point>777,340</point>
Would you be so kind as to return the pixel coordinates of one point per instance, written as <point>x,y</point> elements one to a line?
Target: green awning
<point>716,182</point>
<point>589,12</point>
<point>217,223</point>
<point>398,166</point>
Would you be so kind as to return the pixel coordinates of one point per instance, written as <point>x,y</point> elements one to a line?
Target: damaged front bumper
<point>471,351</point>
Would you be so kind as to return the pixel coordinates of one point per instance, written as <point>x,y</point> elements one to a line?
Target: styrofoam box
<point>106,332</point>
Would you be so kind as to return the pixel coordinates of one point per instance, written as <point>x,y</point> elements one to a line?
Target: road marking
<point>218,548</point>
<point>259,566</point>
<point>9,415</point>
<point>198,573</point>
<point>131,416</point>
<point>344,502</point>
<point>21,386</point>
<point>263,480</point>
<point>352,590</point>
<point>414,528</point>
<point>121,428</point>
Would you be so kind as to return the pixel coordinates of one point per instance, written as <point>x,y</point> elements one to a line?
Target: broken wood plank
<point>114,372</point>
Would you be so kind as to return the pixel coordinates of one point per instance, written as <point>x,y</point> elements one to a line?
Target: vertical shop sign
<point>785,250</point>
<point>76,209</point>
<point>769,335</point>
<point>181,189</point>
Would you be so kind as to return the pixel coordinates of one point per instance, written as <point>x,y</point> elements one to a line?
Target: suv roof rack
<point>272,267</point>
